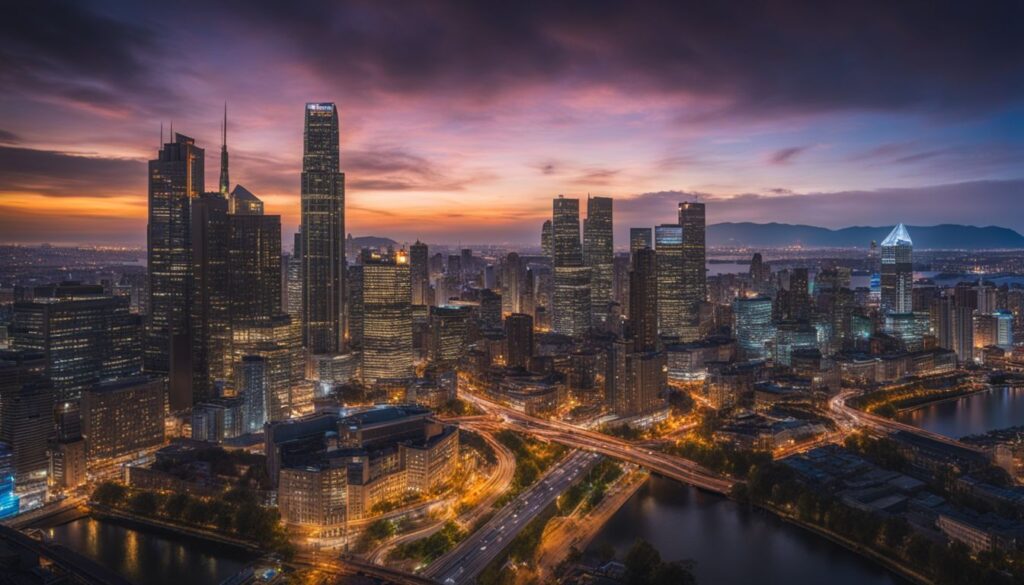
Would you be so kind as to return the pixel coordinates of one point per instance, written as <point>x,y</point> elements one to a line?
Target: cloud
<point>60,174</point>
<point>785,156</point>
<point>388,168</point>
<point>70,52</point>
<point>7,137</point>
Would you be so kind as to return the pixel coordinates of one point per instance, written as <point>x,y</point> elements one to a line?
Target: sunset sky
<point>460,121</point>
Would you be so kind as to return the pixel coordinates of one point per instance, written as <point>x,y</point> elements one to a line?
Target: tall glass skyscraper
<point>695,289</point>
<point>572,279</point>
<point>752,326</point>
<point>323,232</point>
<point>387,318</point>
<point>175,179</point>
<point>668,240</point>
<point>598,255</point>
<point>897,272</point>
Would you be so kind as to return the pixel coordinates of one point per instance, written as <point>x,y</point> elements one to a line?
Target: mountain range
<point>777,235</point>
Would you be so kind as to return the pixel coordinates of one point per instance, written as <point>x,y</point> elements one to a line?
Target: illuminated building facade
<point>897,277</point>
<point>26,413</point>
<point>387,317</point>
<point>571,300</point>
<point>598,255</point>
<point>323,232</point>
<point>695,290</point>
<point>752,326</point>
<point>9,502</point>
<point>86,336</point>
<point>122,420</point>
<point>668,240</point>
<point>449,330</point>
<point>176,177</point>
<point>519,339</point>
<point>419,273</point>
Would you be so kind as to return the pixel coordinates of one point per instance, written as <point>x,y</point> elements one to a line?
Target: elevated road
<point>465,562</point>
<point>671,466</point>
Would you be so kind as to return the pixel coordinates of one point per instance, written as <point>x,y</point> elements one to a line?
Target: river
<point>148,557</point>
<point>732,544</point>
<point>996,408</point>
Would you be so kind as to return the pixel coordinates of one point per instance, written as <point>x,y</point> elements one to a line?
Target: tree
<point>640,561</point>
<point>110,493</point>
<point>143,503</point>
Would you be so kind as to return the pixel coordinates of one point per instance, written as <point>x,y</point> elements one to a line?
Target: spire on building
<point>224,183</point>
<point>897,236</point>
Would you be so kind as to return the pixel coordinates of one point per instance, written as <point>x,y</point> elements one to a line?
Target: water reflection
<point>732,544</point>
<point>996,408</point>
<point>146,558</point>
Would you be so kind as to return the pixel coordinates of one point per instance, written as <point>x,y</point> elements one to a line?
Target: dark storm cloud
<point>58,174</point>
<point>7,137</point>
<point>752,56</point>
<point>748,57</point>
<point>70,51</point>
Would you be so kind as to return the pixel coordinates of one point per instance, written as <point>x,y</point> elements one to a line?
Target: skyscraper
<point>26,412</point>
<point>695,290</point>
<point>293,279</point>
<point>519,339</point>
<point>572,280</point>
<point>225,183</point>
<point>640,238</point>
<point>323,232</point>
<point>546,238</point>
<point>671,309</point>
<point>419,273</point>
<point>511,283</point>
<point>897,271</point>
<point>387,318</point>
<point>175,179</point>
<point>643,301</point>
<point>211,310</point>
<point>598,255</point>
<point>752,326</point>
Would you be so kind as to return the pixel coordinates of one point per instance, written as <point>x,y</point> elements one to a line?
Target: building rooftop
<point>898,236</point>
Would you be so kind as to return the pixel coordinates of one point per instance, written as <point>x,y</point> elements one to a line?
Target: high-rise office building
<point>211,311</point>
<point>643,301</point>
<point>546,239</point>
<point>571,301</point>
<point>176,177</point>
<point>243,202</point>
<point>225,182</point>
<point>85,334</point>
<point>419,273</point>
<point>897,271</point>
<point>598,255</point>
<point>293,279</point>
<point>254,262</point>
<point>752,326</point>
<point>251,385</point>
<point>640,238</point>
<point>121,419</point>
<point>519,339</point>
<point>671,309</point>
<point>323,232</point>
<point>449,328</point>
<point>511,283</point>
<point>695,290</point>
<point>26,413</point>
<point>387,317</point>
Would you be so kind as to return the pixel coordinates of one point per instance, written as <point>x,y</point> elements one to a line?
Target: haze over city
<point>459,121</point>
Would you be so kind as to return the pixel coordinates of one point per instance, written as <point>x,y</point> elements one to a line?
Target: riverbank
<point>173,529</point>
<point>565,533</point>
<point>950,398</point>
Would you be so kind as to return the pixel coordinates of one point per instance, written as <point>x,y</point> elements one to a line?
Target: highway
<point>497,482</point>
<point>850,418</point>
<point>465,562</point>
<point>670,466</point>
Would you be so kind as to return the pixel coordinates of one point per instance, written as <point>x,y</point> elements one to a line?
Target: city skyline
<point>589,106</point>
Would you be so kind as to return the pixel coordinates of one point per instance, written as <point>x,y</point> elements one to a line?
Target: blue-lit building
<point>8,501</point>
<point>752,326</point>
<point>1004,329</point>
<point>897,277</point>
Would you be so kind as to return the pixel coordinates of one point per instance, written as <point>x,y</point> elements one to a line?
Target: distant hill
<point>777,235</point>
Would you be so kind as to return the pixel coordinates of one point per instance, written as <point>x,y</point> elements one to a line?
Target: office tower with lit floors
<point>668,240</point>
<point>598,255</point>
<point>323,232</point>
<point>695,290</point>
<point>572,314</point>
<point>419,273</point>
<point>897,276</point>
<point>387,317</point>
<point>176,177</point>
